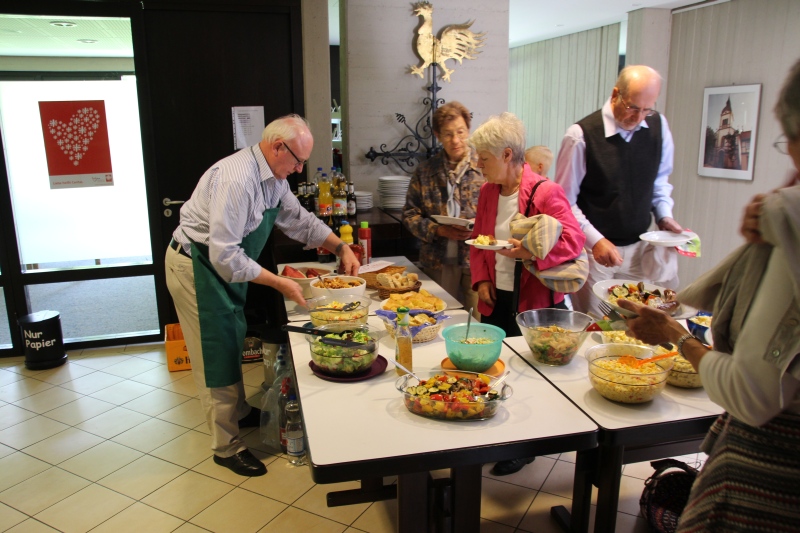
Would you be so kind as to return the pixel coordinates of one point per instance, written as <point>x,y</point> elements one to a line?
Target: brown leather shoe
<point>243,463</point>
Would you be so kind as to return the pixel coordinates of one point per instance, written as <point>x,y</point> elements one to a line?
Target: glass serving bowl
<point>434,398</point>
<point>684,375</point>
<point>554,335</point>
<point>357,315</point>
<point>473,357</point>
<point>622,383</point>
<point>341,360</point>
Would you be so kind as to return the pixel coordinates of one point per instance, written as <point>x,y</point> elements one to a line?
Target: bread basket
<point>384,292</point>
<point>424,335</point>
<point>372,277</point>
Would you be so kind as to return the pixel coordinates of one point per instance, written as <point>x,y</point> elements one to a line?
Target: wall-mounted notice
<point>76,143</point>
<point>248,124</point>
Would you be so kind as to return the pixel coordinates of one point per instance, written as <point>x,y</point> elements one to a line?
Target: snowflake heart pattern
<point>75,136</point>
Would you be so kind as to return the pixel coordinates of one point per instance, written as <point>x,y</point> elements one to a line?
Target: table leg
<point>609,474</point>
<point>466,498</point>
<point>578,521</point>
<point>412,502</point>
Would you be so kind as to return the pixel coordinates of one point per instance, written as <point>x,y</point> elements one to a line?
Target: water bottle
<point>295,443</point>
<point>283,400</point>
<point>315,192</point>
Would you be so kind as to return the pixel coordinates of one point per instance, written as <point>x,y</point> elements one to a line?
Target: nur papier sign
<point>76,143</point>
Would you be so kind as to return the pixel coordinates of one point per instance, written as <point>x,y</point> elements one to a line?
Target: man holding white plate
<point>614,166</point>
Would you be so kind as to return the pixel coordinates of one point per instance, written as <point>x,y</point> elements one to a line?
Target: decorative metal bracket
<point>420,144</point>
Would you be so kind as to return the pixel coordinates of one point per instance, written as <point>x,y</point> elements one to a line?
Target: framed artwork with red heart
<point>76,143</point>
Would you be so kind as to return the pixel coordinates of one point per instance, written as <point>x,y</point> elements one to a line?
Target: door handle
<point>168,202</point>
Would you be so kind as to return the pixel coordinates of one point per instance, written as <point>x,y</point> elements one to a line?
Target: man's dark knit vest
<point>616,194</point>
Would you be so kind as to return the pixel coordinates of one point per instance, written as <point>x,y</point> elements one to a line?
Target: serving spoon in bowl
<point>636,363</point>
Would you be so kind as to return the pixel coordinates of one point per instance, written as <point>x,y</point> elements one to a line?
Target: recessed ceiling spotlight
<point>63,24</point>
<point>559,25</point>
<point>7,30</point>
<point>87,41</point>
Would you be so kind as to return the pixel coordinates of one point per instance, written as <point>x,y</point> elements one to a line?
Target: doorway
<point>80,246</point>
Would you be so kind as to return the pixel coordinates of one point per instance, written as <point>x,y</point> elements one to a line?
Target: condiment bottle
<point>402,338</point>
<point>351,200</point>
<point>346,234</point>
<point>295,445</point>
<point>365,240</point>
<point>325,198</point>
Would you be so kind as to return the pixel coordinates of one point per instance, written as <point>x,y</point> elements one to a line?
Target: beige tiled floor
<point>113,442</point>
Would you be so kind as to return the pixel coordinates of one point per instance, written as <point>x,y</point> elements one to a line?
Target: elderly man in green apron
<point>223,227</point>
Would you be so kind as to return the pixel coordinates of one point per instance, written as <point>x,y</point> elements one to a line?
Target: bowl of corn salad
<point>620,382</point>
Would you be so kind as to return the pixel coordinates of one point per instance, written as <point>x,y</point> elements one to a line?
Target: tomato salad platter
<point>454,395</point>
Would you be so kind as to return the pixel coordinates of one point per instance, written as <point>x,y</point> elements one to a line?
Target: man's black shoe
<point>512,466</point>
<point>243,463</point>
<point>251,419</point>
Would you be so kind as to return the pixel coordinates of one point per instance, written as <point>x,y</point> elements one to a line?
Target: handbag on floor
<point>666,493</point>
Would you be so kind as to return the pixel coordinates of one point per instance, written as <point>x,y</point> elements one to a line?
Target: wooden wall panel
<point>555,82</point>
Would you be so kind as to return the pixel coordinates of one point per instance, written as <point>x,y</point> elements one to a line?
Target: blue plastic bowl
<point>473,357</point>
<point>698,330</point>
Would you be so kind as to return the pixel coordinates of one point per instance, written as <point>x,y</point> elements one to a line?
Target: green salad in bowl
<point>344,360</point>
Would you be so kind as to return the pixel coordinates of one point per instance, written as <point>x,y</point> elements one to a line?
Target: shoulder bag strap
<point>518,263</point>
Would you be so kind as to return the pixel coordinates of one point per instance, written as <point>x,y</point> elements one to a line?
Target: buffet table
<point>674,423</point>
<point>362,430</point>
<point>300,314</point>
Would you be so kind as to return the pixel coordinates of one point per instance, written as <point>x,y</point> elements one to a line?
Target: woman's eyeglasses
<point>782,144</point>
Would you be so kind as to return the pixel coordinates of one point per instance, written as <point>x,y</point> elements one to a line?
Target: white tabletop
<point>300,314</point>
<point>367,420</point>
<point>673,404</point>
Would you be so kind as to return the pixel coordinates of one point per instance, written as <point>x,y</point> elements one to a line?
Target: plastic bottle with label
<point>325,198</point>
<point>283,399</point>
<point>295,436</point>
<point>315,192</point>
<point>365,240</point>
<point>351,200</point>
<point>346,234</point>
<point>403,342</point>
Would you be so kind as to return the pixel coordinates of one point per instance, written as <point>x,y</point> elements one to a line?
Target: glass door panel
<point>80,226</point>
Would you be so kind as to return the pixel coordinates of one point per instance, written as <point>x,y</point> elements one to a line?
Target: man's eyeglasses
<point>782,144</point>
<point>647,111</point>
<point>301,163</point>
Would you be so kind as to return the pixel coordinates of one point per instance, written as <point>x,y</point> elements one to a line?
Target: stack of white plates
<point>364,200</point>
<point>392,190</point>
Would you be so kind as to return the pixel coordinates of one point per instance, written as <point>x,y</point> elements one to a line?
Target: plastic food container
<point>622,383</point>
<point>340,360</point>
<point>326,315</point>
<point>434,398</point>
<point>477,357</point>
<point>317,291</point>
<point>554,335</point>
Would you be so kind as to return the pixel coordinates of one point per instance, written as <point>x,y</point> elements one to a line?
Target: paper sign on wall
<point>248,124</point>
<point>76,143</point>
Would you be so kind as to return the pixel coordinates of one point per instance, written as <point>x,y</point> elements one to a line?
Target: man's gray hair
<point>284,128</point>
<point>500,132</point>
<point>787,109</point>
<point>632,71</point>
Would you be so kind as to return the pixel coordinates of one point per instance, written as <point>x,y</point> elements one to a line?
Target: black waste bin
<point>43,341</point>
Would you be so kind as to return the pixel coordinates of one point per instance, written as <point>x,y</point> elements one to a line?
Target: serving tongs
<point>329,340</point>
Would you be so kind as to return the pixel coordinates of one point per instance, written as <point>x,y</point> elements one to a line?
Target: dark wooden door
<point>202,60</point>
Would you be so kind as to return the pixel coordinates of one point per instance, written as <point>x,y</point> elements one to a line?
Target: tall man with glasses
<point>614,166</point>
<point>223,229</point>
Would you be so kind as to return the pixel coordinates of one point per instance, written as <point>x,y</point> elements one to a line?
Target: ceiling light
<point>559,25</point>
<point>6,30</point>
<point>87,41</point>
<point>63,24</point>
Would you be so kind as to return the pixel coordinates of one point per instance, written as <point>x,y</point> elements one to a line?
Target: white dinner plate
<point>453,221</point>
<point>600,289</point>
<point>384,302</point>
<point>667,238</point>
<point>499,246</point>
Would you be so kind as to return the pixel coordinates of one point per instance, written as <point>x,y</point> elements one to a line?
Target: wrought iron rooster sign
<point>455,42</point>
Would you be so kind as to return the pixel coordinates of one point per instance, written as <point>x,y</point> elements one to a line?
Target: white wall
<point>377,51</point>
<point>735,43</point>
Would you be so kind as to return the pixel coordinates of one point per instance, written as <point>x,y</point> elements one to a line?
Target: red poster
<point>76,143</point>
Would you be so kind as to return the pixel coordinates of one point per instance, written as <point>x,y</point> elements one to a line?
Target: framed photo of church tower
<point>728,132</point>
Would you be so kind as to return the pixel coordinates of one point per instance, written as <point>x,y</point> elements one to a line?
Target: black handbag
<point>666,493</point>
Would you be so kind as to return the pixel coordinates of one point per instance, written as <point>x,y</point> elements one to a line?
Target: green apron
<point>220,306</point>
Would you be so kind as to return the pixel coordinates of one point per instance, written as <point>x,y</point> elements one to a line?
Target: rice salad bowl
<point>622,383</point>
